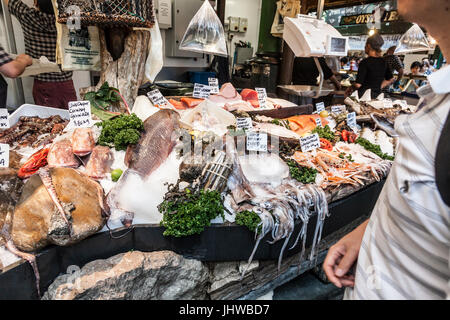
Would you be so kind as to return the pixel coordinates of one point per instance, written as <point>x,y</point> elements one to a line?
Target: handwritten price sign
<point>80,114</point>
<point>4,121</point>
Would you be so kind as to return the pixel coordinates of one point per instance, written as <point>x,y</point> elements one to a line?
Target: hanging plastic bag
<point>205,33</point>
<point>412,41</point>
<point>155,60</point>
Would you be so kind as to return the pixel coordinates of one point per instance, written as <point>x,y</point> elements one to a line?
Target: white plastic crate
<point>31,110</point>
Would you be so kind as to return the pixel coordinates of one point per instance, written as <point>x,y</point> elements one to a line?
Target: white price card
<point>244,123</point>
<point>320,107</point>
<point>201,91</point>
<point>4,155</point>
<point>4,121</point>
<point>309,143</point>
<point>262,97</point>
<point>319,122</point>
<point>214,84</point>
<point>338,109</point>
<point>80,114</point>
<point>387,104</point>
<point>158,99</point>
<point>403,103</point>
<point>351,120</point>
<point>257,141</point>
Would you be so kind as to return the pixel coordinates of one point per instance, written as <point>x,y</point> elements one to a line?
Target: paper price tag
<point>257,141</point>
<point>244,123</point>
<point>4,155</point>
<point>214,84</point>
<point>158,99</point>
<point>318,122</point>
<point>80,114</point>
<point>201,91</point>
<point>320,107</point>
<point>4,121</point>
<point>387,103</point>
<point>309,143</point>
<point>351,120</point>
<point>338,109</point>
<point>262,97</point>
<point>403,103</point>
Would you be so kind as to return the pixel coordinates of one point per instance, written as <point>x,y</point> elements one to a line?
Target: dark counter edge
<point>217,243</point>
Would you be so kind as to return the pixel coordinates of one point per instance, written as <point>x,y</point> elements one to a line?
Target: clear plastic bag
<point>412,41</point>
<point>155,60</point>
<point>205,33</point>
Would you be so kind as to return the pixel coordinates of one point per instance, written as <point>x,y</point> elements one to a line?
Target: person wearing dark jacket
<point>373,72</point>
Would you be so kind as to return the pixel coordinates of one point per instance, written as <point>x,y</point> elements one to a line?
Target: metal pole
<point>320,5</point>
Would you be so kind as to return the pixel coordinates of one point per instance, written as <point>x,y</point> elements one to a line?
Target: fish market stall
<point>185,176</point>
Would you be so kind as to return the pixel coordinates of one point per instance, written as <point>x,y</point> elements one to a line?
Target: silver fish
<point>384,124</point>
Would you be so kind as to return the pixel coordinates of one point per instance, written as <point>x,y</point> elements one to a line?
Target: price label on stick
<point>158,99</point>
<point>320,107</point>
<point>309,143</point>
<point>4,155</point>
<point>387,104</point>
<point>257,141</point>
<point>80,114</point>
<point>318,122</point>
<point>262,97</point>
<point>351,120</point>
<point>244,123</point>
<point>4,121</point>
<point>214,84</point>
<point>338,109</point>
<point>201,91</point>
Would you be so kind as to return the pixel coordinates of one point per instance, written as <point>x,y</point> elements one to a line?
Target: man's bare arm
<point>16,67</point>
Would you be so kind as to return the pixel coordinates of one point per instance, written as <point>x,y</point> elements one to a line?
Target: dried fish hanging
<point>130,13</point>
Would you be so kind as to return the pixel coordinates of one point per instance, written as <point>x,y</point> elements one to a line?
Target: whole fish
<point>156,143</point>
<point>154,147</point>
<point>384,124</point>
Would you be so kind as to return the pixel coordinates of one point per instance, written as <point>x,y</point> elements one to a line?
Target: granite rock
<point>134,275</point>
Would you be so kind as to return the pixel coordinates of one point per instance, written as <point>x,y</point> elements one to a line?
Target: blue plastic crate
<point>201,77</point>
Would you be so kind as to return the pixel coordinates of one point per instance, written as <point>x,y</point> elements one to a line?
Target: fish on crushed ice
<point>99,163</point>
<point>61,155</point>
<point>83,141</point>
<point>154,147</point>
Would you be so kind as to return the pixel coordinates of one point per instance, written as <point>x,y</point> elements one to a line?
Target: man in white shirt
<point>402,251</point>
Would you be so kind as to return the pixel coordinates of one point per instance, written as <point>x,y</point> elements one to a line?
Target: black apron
<point>3,91</point>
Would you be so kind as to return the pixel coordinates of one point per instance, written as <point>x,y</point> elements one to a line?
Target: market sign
<point>388,16</point>
<point>80,114</point>
<point>257,141</point>
<point>201,91</point>
<point>310,143</point>
<point>262,97</point>
<point>4,121</point>
<point>4,155</point>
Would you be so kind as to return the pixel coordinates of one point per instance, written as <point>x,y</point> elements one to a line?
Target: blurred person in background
<point>394,63</point>
<point>54,89</point>
<point>403,250</point>
<point>416,70</point>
